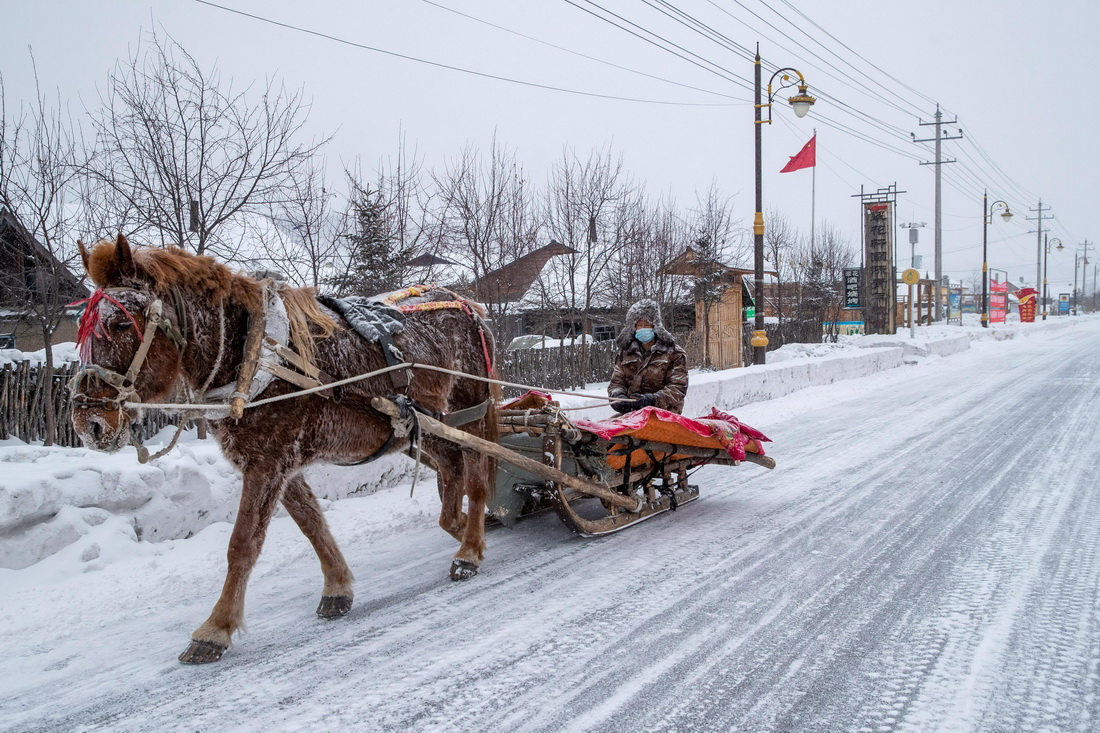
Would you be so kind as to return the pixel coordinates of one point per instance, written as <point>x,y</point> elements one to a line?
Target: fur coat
<point>661,370</point>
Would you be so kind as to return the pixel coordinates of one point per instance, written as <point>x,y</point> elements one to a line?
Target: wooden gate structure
<point>718,321</point>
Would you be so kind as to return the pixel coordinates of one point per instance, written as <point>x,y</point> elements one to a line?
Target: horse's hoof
<point>202,652</point>
<point>462,570</point>
<point>334,606</point>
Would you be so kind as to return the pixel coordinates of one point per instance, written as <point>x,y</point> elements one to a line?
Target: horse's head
<point>130,346</point>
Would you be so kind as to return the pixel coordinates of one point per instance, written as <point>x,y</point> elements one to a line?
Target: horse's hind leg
<point>475,474</point>
<point>302,505</point>
<point>449,479</point>
<point>259,499</point>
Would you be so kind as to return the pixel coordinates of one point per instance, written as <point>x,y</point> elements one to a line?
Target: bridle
<point>124,384</point>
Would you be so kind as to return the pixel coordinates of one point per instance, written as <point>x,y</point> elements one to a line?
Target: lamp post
<point>1084,261</point>
<point>1046,252</point>
<point>801,103</point>
<point>987,217</point>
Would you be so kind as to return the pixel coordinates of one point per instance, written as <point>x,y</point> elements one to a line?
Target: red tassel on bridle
<point>91,323</point>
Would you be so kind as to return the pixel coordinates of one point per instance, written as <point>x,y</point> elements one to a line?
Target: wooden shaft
<point>252,345</point>
<point>430,425</point>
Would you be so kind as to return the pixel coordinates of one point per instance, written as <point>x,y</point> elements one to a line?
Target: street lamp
<point>1084,260</point>
<point>987,217</point>
<point>800,103</point>
<point>1046,253</point>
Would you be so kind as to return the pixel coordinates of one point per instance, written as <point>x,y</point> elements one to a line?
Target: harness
<point>264,359</point>
<point>265,352</point>
<point>91,326</point>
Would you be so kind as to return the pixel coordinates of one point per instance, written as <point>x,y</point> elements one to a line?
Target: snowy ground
<point>923,558</point>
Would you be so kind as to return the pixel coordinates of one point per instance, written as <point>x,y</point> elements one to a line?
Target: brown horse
<point>182,322</point>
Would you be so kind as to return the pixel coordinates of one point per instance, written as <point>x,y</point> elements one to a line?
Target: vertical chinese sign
<point>878,229</point>
<point>998,301</point>
<point>853,287</point>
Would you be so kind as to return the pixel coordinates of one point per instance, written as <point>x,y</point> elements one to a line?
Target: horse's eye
<point>122,325</point>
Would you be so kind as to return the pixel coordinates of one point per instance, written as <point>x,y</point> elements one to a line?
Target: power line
<point>582,55</point>
<point>857,85</point>
<point>857,55</point>
<point>716,70</point>
<point>437,64</point>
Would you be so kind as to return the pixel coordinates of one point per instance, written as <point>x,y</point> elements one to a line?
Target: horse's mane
<point>203,277</point>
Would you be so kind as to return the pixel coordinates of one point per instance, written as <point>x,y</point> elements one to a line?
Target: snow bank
<point>51,498</point>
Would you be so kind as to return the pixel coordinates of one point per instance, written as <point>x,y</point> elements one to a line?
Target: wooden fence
<point>23,406</point>
<point>565,367</point>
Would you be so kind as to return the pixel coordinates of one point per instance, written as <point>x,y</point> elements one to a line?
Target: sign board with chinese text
<point>878,237</point>
<point>1063,303</point>
<point>998,301</point>
<point>853,287</point>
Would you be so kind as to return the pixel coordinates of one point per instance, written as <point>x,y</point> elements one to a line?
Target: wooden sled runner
<point>599,476</point>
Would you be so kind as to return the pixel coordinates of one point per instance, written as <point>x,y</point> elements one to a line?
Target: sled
<point>599,476</point>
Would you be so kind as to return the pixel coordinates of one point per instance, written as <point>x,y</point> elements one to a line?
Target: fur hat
<point>648,310</point>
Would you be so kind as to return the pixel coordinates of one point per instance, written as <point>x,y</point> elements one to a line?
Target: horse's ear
<point>83,253</point>
<point>124,258</point>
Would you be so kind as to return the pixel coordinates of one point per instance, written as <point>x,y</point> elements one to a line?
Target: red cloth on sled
<point>718,430</point>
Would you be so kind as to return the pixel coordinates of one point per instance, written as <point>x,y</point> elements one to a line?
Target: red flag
<point>806,158</point>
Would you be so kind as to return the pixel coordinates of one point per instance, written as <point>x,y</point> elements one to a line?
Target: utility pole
<point>939,138</point>
<point>1086,246</point>
<point>1039,242</point>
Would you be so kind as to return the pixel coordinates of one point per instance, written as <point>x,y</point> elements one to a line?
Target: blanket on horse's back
<point>371,319</point>
<point>377,317</point>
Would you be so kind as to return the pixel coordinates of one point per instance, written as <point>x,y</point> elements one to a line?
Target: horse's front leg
<point>302,505</point>
<point>259,498</point>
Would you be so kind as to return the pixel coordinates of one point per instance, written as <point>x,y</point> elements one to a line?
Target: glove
<point>624,407</point>
<point>646,400</point>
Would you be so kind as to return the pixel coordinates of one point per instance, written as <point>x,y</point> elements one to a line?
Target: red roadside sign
<point>998,301</point>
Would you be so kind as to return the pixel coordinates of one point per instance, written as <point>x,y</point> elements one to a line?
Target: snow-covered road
<point>924,558</point>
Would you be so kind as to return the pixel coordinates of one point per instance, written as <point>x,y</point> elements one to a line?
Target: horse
<point>164,320</point>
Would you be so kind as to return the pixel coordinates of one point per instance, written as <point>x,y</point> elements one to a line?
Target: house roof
<point>428,260</point>
<point>688,263</point>
<point>20,258</point>
<point>510,283</point>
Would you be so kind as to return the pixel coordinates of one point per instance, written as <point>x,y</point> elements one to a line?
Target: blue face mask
<point>645,335</point>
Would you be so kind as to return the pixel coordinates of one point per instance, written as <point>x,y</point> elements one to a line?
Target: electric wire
<point>712,68</point>
<point>581,55</point>
<point>856,84</point>
<point>548,87</point>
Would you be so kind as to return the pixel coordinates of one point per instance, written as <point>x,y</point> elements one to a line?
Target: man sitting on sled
<point>650,368</point>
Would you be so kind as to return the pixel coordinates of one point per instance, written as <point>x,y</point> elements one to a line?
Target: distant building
<point>31,278</point>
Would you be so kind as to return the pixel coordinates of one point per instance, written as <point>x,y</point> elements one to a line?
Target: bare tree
<point>483,211</point>
<point>578,207</point>
<point>189,158</point>
<point>652,234</point>
<point>306,230</point>
<point>40,210</point>
<point>819,271</point>
<point>714,239</point>
<point>781,241</point>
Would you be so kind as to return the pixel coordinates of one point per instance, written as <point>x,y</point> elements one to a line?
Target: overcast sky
<point>1016,73</point>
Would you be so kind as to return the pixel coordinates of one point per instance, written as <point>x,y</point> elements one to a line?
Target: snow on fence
<point>23,406</point>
